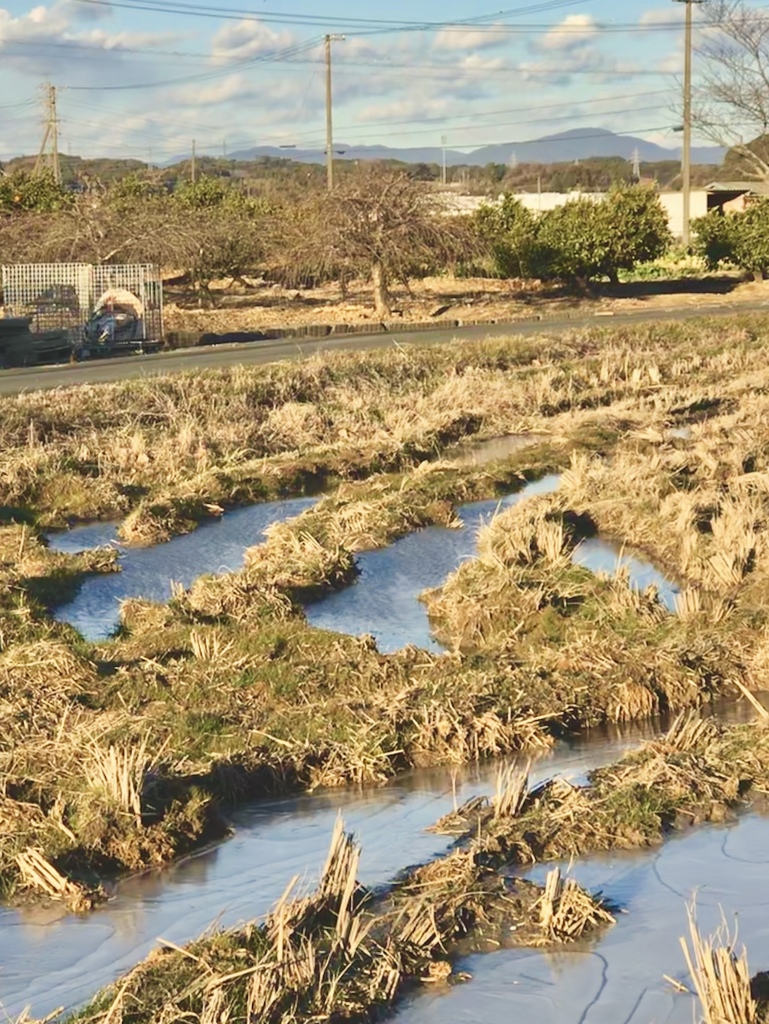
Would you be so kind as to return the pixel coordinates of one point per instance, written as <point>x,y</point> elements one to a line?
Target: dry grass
<point>170,450</point>
<point>567,911</point>
<point>697,772</point>
<point>340,953</point>
<point>118,775</point>
<point>720,974</point>
<point>228,692</point>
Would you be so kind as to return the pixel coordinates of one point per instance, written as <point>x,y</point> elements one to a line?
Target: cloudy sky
<point>142,78</point>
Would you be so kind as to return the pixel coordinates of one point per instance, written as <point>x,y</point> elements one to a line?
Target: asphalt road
<point>251,353</point>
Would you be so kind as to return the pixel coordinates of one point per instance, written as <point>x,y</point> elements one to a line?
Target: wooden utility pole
<point>329,112</point>
<point>686,156</point>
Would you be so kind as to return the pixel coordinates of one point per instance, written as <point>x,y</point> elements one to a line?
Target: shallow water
<point>49,958</point>
<point>215,547</point>
<point>619,979</point>
<point>384,599</point>
<point>480,453</point>
<point>600,555</point>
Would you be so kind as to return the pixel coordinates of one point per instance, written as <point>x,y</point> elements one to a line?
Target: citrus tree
<point>509,230</point>
<point>586,238</point>
<point>25,192</point>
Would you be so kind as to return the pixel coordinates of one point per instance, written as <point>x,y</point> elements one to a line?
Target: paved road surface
<point>98,371</point>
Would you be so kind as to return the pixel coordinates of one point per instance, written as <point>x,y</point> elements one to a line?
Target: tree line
<point>379,224</point>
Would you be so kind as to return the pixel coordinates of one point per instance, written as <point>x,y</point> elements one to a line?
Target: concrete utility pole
<point>194,164</point>
<point>443,160</point>
<point>686,156</point>
<point>51,135</point>
<point>329,112</point>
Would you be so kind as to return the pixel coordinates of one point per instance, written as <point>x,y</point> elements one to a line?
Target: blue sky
<point>144,83</point>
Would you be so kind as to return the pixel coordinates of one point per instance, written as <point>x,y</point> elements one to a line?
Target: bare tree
<point>732,105</point>
<point>380,224</point>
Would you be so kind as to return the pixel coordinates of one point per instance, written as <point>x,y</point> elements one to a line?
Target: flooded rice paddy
<point>49,958</point>
<point>480,453</point>
<point>620,979</point>
<point>383,601</point>
<point>600,555</point>
<point>215,547</point>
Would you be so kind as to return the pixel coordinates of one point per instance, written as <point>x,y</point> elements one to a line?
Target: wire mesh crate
<point>67,296</point>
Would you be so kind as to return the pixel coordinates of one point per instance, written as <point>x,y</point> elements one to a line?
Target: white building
<point>729,197</point>
<point>672,203</point>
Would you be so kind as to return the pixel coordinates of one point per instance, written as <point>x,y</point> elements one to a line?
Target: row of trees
<point>378,224</point>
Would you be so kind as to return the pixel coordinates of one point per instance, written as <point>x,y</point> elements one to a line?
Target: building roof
<point>756,188</point>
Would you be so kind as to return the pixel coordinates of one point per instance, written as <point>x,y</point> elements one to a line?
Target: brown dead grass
<point>340,953</point>
<point>230,695</point>
<point>699,771</point>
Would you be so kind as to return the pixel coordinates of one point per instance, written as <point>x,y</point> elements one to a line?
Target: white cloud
<point>102,40</point>
<point>243,39</point>
<point>410,108</point>
<point>40,23</point>
<point>574,31</point>
<point>455,38</point>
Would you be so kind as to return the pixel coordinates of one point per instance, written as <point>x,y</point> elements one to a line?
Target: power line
<point>439,71</point>
<point>322,20</point>
<point>533,108</point>
<point>376,26</point>
<point>203,76</point>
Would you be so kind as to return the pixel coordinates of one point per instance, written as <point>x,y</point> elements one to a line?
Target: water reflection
<point>621,978</point>
<point>215,547</point>
<point>384,600</point>
<point>601,555</point>
<point>49,958</point>
<point>482,452</point>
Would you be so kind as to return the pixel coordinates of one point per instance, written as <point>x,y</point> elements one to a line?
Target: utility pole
<point>193,165</point>
<point>50,135</point>
<point>686,156</point>
<point>329,111</point>
<point>54,133</point>
<point>443,161</point>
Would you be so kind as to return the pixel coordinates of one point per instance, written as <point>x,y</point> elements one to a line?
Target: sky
<point>143,78</point>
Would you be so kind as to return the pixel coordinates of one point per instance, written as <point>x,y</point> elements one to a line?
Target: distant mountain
<point>577,144</point>
<point>582,143</point>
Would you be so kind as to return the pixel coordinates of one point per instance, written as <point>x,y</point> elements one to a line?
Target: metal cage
<point>64,296</point>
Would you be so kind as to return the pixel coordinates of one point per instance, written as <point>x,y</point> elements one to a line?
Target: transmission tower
<point>636,172</point>
<point>49,148</point>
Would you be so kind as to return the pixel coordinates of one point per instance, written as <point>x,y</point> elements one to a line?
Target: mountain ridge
<point>562,147</point>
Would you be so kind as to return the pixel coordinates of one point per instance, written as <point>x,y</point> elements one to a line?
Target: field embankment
<point>124,754</point>
<point>347,951</point>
